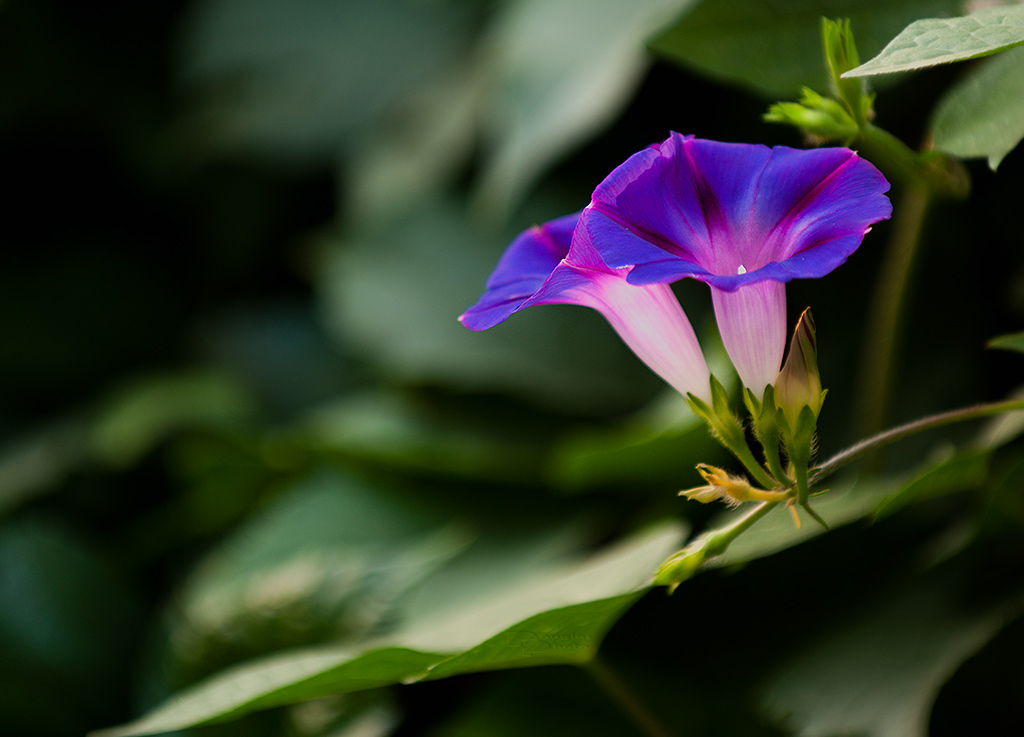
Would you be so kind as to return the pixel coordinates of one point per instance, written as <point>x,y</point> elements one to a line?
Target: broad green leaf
<point>982,116</point>
<point>932,41</point>
<point>562,69</point>
<point>395,296</point>
<point>967,469</point>
<point>659,445</point>
<point>388,430</point>
<point>426,145</point>
<point>276,349</point>
<point>774,46</point>
<point>878,673</point>
<point>562,701</point>
<point>69,627</point>
<point>288,80</point>
<point>145,411</point>
<point>555,616</point>
<point>36,463</point>
<point>327,560</point>
<point>1010,342</point>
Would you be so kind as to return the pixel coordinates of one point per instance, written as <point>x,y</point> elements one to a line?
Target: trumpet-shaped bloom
<point>743,218</point>
<point>548,265</point>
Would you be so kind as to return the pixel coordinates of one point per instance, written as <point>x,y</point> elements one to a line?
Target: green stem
<point>840,459</point>
<point>742,452</point>
<point>685,563</point>
<point>887,305</point>
<point>715,542</point>
<point>626,699</point>
<point>939,175</point>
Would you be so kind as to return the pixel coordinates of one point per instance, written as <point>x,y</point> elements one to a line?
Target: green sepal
<point>764,416</point>
<point>727,429</point>
<point>822,119</point>
<point>799,443</point>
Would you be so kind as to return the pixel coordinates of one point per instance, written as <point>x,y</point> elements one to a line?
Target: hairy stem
<point>882,439</point>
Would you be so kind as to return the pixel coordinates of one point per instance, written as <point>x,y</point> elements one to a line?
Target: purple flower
<point>539,267</point>
<point>743,218</point>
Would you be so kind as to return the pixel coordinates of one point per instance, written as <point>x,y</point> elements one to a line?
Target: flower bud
<point>799,384</point>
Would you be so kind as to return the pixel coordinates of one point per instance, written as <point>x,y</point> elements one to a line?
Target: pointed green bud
<point>799,384</point>
<point>841,56</point>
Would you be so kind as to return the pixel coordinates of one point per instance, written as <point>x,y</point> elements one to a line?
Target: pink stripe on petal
<point>752,322</point>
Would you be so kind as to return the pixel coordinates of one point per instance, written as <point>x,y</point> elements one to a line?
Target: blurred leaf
<point>393,432</point>
<point>561,70</point>
<point>278,351</point>
<point>38,462</point>
<point>657,445</point>
<point>396,296</point>
<point>562,701</point>
<point>1011,342</point>
<point>983,114</point>
<point>932,41</point>
<point>423,146</point>
<point>287,80</point>
<point>878,673</point>
<point>1002,428</point>
<point>558,615</point>
<point>964,470</point>
<point>325,561</point>
<point>774,46</point>
<point>144,412</point>
<point>68,626</point>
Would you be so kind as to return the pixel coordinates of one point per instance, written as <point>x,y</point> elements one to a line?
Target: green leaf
<point>878,673</point>
<point>967,469</point>
<point>563,69</point>
<point>68,625</point>
<point>982,116</point>
<point>388,430</point>
<point>932,41</point>
<point>145,411</point>
<point>327,560</point>
<point>774,46</point>
<point>558,615</point>
<point>38,462</point>
<point>648,448</point>
<point>562,701</point>
<point>1009,342</point>
<point>289,80</point>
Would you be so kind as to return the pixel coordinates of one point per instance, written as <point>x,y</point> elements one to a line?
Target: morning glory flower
<point>743,218</point>
<point>549,265</point>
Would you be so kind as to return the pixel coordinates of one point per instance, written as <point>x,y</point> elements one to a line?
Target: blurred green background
<point>235,401</point>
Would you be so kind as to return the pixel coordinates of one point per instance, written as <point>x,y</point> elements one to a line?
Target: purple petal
<point>732,214</point>
<point>540,267</point>
<point>524,267</point>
